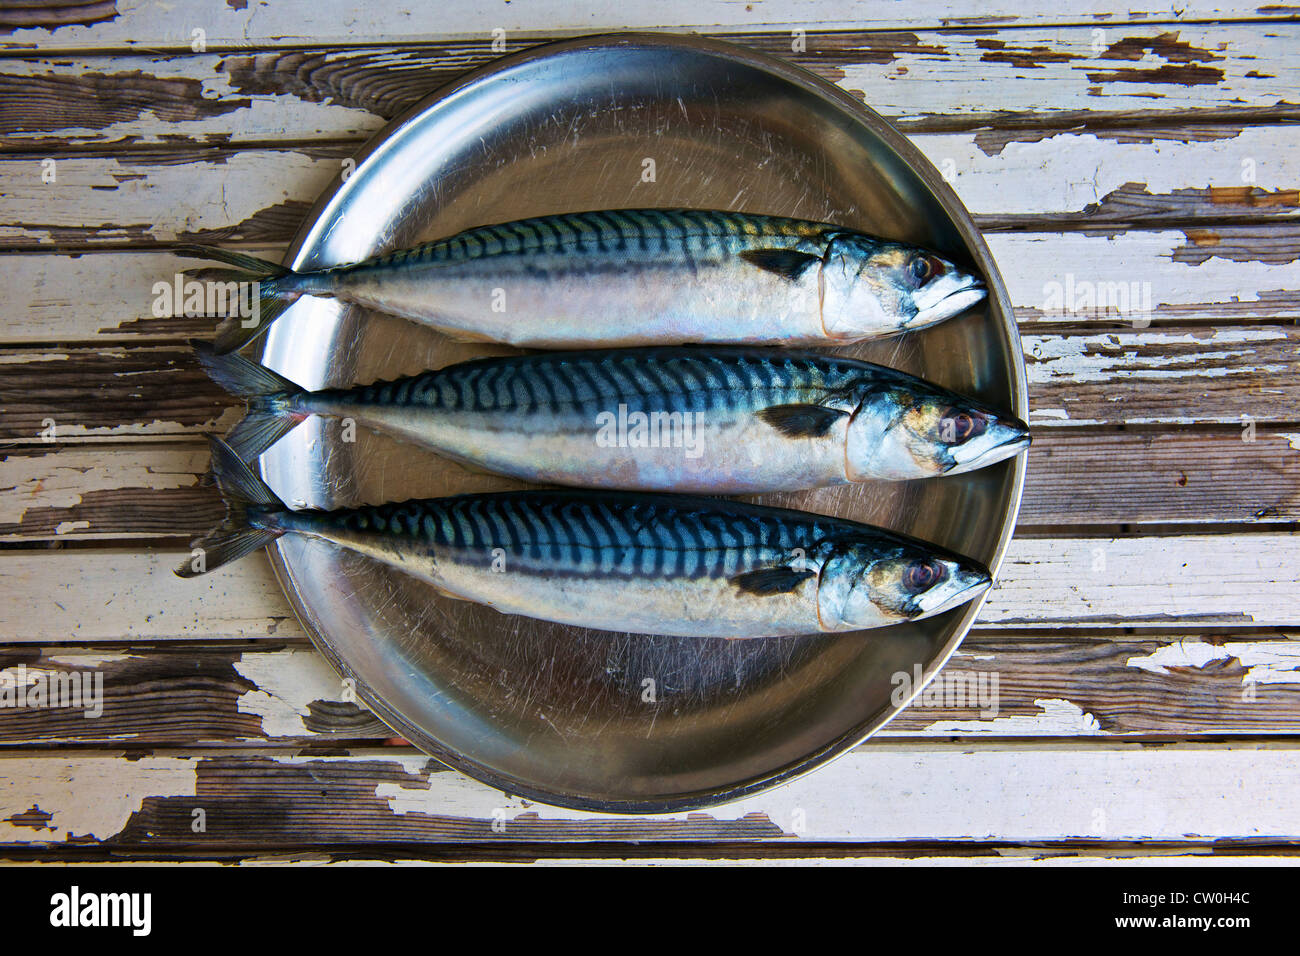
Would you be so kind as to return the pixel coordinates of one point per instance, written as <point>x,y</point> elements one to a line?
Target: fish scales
<point>563,534</point>
<point>708,420</point>
<point>634,277</point>
<point>670,565</point>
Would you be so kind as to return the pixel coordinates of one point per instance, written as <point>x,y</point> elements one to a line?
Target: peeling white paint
<point>86,796</point>
<point>1076,170</point>
<point>1057,717</point>
<point>90,660</point>
<point>1112,793</point>
<point>1215,288</point>
<point>1120,355</point>
<point>62,479</point>
<point>201,195</point>
<point>287,683</point>
<point>1266,662</point>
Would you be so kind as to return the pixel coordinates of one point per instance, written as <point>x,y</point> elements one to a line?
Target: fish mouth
<point>962,586</point>
<point>945,297</point>
<point>1004,438</point>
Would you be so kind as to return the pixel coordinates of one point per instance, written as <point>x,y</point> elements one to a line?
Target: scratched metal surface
<point>563,715</point>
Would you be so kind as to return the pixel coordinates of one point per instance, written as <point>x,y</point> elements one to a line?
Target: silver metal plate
<point>590,719</point>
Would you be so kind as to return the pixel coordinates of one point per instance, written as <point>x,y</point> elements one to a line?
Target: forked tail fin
<point>275,292</point>
<point>268,395</point>
<point>236,536</point>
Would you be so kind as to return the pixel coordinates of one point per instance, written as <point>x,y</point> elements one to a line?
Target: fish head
<point>863,585</point>
<point>872,287</point>
<point>912,429</point>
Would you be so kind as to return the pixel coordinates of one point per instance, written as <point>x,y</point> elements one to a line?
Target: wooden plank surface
<point>902,792</point>
<point>1155,582</point>
<point>150,24</point>
<point>996,687</point>
<point>147,491</point>
<point>1024,77</point>
<point>1225,274</point>
<point>1150,596</point>
<point>261,194</point>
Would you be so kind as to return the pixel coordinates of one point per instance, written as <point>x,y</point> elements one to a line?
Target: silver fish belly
<point>656,419</point>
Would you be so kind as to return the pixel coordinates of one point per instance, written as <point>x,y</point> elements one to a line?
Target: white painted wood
<point>154,24</point>
<point>1128,361</point>
<point>1233,279</point>
<point>111,595</point>
<point>286,683</point>
<point>63,480</point>
<point>140,198</point>
<point>1076,69</point>
<point>880,792</point>
<point>925,77</point>
<point>1150,581</point>
<point>98,796</point>
<point>1071,172</point>
<point>1077,857</point>
<point>1239,579</point>
<point>99,296</point>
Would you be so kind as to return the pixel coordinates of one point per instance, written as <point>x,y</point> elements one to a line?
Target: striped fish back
<point>679,378</point>
<point>646,231</point>
<point>577,533</point>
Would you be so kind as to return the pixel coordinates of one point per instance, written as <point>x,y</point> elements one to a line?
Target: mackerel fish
<point>629,277</point>
<point>705,420</point>
<point>652,564</point>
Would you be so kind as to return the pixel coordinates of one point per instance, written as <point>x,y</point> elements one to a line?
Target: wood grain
<point>1153,582</point>
<point>1026,77</point>
<point>1165,377</point>
<point>1093,478</point>
<point>1224,274</point>
<point>119,24</point>
<point>1184,794</point>
<point>1143,633</point>
<point>1046,686</point>
<point>1068,179</point>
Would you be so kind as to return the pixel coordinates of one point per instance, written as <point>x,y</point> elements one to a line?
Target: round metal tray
<point>589,719</point>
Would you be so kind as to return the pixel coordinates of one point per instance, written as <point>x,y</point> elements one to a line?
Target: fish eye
<point>957,426</point>
<point>922,575</point>
<point>925,267</point>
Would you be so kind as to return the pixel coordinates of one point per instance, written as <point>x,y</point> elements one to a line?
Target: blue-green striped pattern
<point>652,232</point>
<point>590,534</point>
<point>680,379</point>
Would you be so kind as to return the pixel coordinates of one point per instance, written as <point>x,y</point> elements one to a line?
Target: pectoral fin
<point>768,581</point>
<point>787,263</point>
<point>801,421</point>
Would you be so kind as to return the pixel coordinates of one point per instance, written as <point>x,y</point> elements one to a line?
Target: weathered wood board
<point>260,195</point>
<point>901,792</point>
<point>1136,174</point>
<point>150,24</point>
<point>996,686</point>
<point>1246,580</point>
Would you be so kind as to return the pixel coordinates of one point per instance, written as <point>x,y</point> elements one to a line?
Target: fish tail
<point>271,414</point>
<point>276,287</point>
<point>239,534</point>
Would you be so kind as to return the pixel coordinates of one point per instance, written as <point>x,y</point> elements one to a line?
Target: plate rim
<point>976,247</point>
